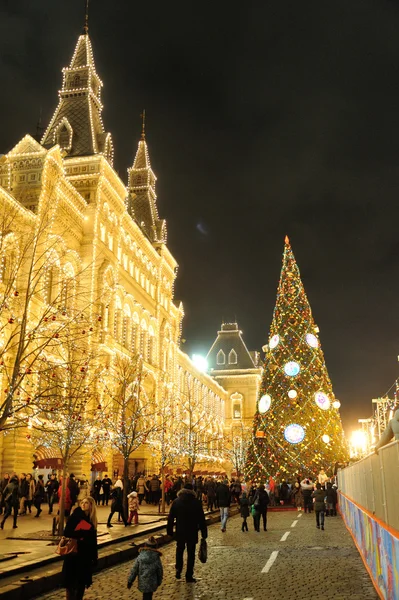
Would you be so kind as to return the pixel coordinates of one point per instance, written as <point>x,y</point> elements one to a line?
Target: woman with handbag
<point>81,556</point>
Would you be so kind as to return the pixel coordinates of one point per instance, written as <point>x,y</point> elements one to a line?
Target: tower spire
<point>141,201</point>
<point>143,124</point>
<point>77,125</point>
<point>86,25</point>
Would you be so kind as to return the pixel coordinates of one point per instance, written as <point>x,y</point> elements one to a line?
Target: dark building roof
<point>229,351</point>
<point>77,124</point>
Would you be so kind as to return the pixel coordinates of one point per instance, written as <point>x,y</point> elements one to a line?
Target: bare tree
<point>127,410</point>
<point>167,439</point>
<point>236,444</point>
<point>198,441</point>
<point>67,388</point>
<point>39,300</point>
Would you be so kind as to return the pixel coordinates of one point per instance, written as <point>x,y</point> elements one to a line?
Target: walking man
<point>319,505</point>
<point>223,499</point>
<point>261,502</point>
<point>187,511</point>
<point>106,489</point>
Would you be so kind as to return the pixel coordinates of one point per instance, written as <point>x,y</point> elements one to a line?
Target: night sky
<point>267,119</point>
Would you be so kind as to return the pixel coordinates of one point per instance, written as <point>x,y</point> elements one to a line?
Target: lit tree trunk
<point>125,484</point>
<point>163,489</point>
<point>62,500</point>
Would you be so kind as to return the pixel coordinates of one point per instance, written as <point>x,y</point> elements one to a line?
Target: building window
<point>220,358</point>
<point>236,411</point>
<point>232,357</point>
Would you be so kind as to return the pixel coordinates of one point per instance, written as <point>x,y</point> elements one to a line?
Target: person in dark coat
<point>244,511</point>
<point>52,488</point>
<point>307,490</point>
<point>11,501</point>
<point>73,489</point>
<point>107,483</point>
<point>98,486</point>
<point>319,506</point>
<point>261,502</point>
<point>148,568</point>
<point>284,492</point>
<point>77,569</point>
<point>4,483</point>
<point>223,497</point>
<point>40,495</point>
<point>117,504</point>
<point>187,511</point>
<point>210,490</point>
<point>331,501</point>
<point>23,492</point>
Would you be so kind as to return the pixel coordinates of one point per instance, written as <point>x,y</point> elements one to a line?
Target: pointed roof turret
<point>77,124</point>
<point>142,197</point>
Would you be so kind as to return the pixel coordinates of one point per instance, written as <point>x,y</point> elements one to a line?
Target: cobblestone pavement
<point>310,562</point>
<point>33,535</point>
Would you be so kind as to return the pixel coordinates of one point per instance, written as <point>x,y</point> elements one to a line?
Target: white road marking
<point>248,599</point>
<point>270,562</point>
<point>300,515</point>
<point>287,533</point>
<point>294,523</point>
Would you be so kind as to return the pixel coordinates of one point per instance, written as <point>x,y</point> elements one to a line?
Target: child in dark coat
<point>244,511</point>
<point>148,568</point>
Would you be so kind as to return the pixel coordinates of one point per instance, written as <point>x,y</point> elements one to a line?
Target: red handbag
<point>67,546</point>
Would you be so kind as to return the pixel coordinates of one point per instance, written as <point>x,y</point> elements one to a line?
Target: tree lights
<point>297,427</point>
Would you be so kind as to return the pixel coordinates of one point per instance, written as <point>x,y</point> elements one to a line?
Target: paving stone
<point>310,563</point>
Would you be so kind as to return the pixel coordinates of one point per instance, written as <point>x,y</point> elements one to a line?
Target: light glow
<point>274,341</point>
<point>294,434</point>
<point>264,403</point>
<point>200,363</point>
<point>292,369</point>
<point>322,400</point>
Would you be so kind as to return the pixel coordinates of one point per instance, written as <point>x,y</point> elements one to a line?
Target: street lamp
<point>359,443</point>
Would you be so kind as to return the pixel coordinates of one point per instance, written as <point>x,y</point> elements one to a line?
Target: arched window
<point>220,358</point>
<point>134,333</point>
<point>68,287</point>
<point>51,279</point>
<point>9,262</point>
<point>126,325</point>
<point>151,345</point>
<point>232,357</point>
<point>117,319</point>
<point>63,135</point>
<point>143,339</point>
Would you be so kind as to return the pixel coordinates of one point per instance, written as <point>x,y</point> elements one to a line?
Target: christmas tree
<point>297,426</point>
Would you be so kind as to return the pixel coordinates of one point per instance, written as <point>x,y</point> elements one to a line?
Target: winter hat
<point>151,541</point>
<point>188,486</point>
<point>134,493</point>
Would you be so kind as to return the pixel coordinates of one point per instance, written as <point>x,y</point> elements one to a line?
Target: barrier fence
<point>369,504</point>
<point>373,482</point>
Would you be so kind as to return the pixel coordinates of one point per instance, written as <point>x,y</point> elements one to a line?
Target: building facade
<point>109,236</point>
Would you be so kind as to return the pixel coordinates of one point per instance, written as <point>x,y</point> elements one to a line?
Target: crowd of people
<point>20,493</point>
<point>188,496</point>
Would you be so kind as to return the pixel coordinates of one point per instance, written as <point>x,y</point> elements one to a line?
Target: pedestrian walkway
<point>32,543</point>
<point>292,559</point>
